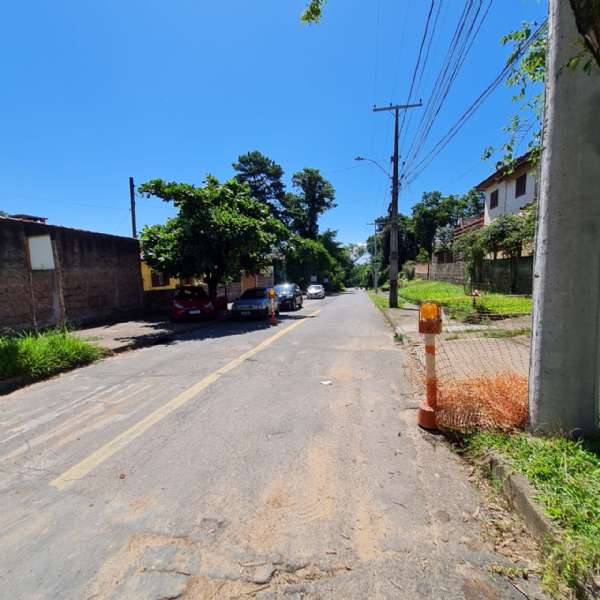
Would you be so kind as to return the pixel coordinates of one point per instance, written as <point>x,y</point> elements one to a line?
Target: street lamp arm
<point>359,158</point>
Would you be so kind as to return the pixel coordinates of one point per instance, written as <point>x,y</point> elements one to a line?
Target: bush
<point>408,269</point>
<point>37,356</point>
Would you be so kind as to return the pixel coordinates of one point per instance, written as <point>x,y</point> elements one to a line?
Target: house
<point>158,286</point>
<point>157,280</point>
<point>509,189</point>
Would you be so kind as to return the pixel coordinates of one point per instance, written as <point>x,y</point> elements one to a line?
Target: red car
<point>193,302</point>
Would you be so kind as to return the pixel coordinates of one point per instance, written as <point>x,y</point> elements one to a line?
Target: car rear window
<point>195,292</point>
<point>254,294</point>
<point>285,287</point>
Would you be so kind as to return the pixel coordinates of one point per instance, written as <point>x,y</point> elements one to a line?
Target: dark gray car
<point>254,302</point>
<point>290,296</point>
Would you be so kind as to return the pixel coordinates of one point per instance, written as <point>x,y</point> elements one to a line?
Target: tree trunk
<point>212,281</point>
<point>587,18</point>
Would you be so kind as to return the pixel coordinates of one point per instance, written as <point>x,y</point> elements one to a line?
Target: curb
<point>521,496</point>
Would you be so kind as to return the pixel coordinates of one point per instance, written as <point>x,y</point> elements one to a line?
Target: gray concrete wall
<point>100,273</point>
<point>453,272</point>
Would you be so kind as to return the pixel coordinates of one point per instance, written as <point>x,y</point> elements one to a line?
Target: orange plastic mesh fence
<point>482,370</point>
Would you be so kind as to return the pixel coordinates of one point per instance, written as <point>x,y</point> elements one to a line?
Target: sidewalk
<point>119,337</point>
<point>468,350</point>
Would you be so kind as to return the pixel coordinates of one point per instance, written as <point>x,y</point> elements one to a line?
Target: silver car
<point>315,291</point>
<point>254,302</point>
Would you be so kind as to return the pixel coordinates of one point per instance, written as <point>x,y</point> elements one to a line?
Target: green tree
<point>315,196</point>
<point>264,177</point>
<point>219,231</point>
<point>471,204</point>
<point>504,234</point>
<point>305,258</point>
<point>313,11</point>
<point>432,212</point>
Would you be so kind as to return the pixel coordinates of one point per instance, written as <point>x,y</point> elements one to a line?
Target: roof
<point>469,224</point>
<point>29,218</point>
<point>504,172</point>
<point>36,225</point>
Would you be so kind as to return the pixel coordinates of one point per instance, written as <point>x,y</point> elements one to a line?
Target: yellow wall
<point>147,279</point>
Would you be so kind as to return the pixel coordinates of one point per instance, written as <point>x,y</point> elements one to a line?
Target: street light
<point>360,158</point>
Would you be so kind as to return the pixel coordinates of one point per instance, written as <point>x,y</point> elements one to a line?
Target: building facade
<point>508,191</point>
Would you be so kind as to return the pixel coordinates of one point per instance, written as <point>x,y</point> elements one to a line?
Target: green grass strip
<point>459,304</point>
<point>566,477</point>
<point>37,356</point>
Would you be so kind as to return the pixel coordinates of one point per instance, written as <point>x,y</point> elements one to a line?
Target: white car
<point>315,291</point>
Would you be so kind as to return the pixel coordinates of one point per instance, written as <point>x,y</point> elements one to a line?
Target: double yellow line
<point>118,443</point>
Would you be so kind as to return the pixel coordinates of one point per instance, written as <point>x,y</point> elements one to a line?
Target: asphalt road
<point>221,466</point>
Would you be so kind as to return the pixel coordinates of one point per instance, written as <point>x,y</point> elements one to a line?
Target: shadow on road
<point>172,333</point>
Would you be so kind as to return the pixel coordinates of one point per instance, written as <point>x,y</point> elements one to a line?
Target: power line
<point>411,175</point>
<point>466,31</point>
<point>416,69</point>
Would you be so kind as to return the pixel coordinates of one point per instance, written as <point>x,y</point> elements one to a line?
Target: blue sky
<point>94,92</point>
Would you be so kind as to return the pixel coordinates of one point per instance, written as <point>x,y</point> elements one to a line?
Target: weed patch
<point>566,477</point>
<point>460,306</point>
<point>37,356</point>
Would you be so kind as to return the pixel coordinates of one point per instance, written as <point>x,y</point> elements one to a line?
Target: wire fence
<point>482,373</point>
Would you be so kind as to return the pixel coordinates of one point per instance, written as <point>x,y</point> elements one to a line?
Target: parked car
<point>315,291</point>
<point>192,302</point>
<point>254,302</point>
<point>290,296</point>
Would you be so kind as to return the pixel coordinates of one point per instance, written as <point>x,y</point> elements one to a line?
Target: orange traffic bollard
<point>273,315</point>
<point>430,324</point>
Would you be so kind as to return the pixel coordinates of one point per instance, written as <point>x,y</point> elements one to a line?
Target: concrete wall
<point>453,272</point>
<point>100,277</point>
<point>508,203</point>
<point>421,271</point>
<point>503,275</point>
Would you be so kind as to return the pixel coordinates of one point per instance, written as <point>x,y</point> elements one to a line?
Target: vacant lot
<point>459,304</point>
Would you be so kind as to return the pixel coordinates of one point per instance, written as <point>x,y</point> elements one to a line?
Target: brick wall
<point>100,277</point>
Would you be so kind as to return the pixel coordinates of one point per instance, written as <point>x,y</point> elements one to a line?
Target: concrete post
<point>565,355</point>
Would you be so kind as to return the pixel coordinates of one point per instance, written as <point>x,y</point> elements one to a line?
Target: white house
<point>508,191</point>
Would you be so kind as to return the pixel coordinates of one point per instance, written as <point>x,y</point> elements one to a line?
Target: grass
<point>34,357</point>
<point>491,333</point>
<point>459,305</point>
<point>566,477</point>
<point>381,301</point>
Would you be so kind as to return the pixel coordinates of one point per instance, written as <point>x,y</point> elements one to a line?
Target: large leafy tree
<point>264,177</point>
<point>219,231</point>
<point>305,258</point>
<point>432,212</point>
<point>314,196</point>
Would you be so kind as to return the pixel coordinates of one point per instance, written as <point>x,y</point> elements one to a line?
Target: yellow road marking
<point>105,452</point>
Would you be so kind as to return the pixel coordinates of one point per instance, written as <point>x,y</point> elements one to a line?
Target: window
<point>494,199</point>
<point>521,185</point>
<point>159,279</point>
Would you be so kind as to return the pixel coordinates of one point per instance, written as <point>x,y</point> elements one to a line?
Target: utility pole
<point>132,199</point>
<point>394,208</point>
<point>375,260</point>
<point>564,376</point>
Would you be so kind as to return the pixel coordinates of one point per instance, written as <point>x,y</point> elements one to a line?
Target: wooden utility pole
<point>394,208</point>
<point>564,382</point>
<point>132,199</point>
